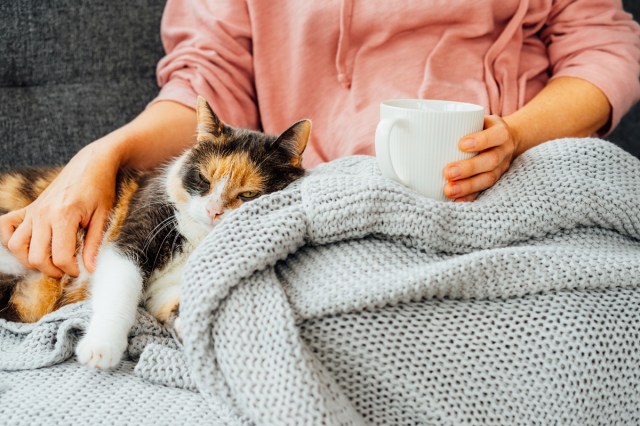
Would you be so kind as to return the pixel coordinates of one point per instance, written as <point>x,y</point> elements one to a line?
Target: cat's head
<point>229,167</point>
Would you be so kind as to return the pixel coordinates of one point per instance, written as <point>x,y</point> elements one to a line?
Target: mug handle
<point>383,147</point>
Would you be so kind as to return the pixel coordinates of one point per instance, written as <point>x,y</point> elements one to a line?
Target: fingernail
<point>468,144</point>
<point>453,172</point>
<point>454,190</point>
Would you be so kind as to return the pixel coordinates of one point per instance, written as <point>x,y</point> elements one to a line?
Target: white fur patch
<point>82,279</point>
<point>218,189</point>
<point>194,226</point>
<point>9,264</point>
<point>116,289</point>
<point>164,285</point>
<point>193,230</point>
<point>198,205</point>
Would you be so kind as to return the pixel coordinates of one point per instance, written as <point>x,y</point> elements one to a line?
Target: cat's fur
<point>157,221</point>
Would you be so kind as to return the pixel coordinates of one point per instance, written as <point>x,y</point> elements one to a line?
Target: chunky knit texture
<point>349,299</point>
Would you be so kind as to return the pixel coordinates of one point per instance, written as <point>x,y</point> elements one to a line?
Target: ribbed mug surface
<point>417,138</point>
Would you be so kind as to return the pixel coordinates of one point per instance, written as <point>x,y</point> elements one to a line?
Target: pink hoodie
<point>264,64</point>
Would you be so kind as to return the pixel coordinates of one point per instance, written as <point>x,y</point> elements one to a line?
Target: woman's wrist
<point>114,147</point>
<point>517,131</point>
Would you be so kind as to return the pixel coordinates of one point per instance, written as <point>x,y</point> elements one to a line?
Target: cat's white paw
<point>177,325</point>
<point>97,352</point>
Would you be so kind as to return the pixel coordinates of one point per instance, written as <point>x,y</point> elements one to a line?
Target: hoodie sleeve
<point>208,46</point>
<point>597,41</point>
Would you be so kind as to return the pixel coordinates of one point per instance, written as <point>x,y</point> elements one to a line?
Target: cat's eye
<point>203,182</point>
<point>248,195</point>
<point>198,182</point>
<point>195,182</point>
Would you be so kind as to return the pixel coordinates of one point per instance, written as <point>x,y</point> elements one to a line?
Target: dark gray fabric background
<point>71,71</point>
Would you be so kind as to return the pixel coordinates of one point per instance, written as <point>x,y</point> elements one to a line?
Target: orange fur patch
<point>33,298</point>
<point>11,195</point>
<point>119,212</point>
<point>302,137</point>
<point>74,291</point>
<point>241,172</point>
<point>12,188</point>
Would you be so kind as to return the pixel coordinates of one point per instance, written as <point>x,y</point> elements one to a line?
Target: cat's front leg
<point>116,289</point>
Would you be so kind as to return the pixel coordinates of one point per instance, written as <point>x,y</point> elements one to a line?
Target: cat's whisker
<point>175,239</point>
<point>149,205</point>
<point>159,250</point>
<point>155,231</point>
<point>149,240</point>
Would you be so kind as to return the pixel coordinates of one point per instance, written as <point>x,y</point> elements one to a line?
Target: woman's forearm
<point>160,132</point>
<point>566,107</point>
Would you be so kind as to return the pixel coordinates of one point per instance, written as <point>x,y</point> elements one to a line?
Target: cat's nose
<point>214,210</point>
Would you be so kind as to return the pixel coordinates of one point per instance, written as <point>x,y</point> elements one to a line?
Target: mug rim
<point>471,107</point>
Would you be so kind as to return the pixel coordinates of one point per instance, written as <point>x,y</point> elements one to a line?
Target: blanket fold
<point>346,248</point>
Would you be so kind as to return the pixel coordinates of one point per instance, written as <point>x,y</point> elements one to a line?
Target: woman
<point>543,68</point>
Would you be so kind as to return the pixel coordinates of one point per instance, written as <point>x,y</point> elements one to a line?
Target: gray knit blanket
<point>350,299</point>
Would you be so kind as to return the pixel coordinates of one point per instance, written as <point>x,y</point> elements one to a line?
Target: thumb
<point>93,238</point>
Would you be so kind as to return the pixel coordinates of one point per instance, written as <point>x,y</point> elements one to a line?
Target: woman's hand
<point>496,146</point>
<point>43,235</point>
<point>566,107</point>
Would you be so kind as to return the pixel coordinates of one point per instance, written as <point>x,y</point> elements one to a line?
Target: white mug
<point>417,138</point>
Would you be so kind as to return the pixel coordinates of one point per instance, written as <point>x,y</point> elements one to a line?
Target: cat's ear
<point>210,127</point>
<point>294,140</point>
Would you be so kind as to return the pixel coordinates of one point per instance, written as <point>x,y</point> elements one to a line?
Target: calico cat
<point>158,219</point>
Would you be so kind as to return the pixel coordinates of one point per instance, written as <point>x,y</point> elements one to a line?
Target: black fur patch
<point>7,285</point>
<point>30,175</point>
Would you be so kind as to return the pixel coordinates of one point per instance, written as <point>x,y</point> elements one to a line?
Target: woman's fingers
<point>495,133</point>
<point>50,249</point>
<point>483,162</point>
<point>40,249</point>
<point>481,172</point>
<point>478,183</point>
<point>94,238</point>
<point>495,146</point>
<point>19,242</point>
<point>63,246</point>
<point>467,198</point>
<point>8,225</point>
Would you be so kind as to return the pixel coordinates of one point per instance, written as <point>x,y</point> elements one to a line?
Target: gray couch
<point>72,71</point>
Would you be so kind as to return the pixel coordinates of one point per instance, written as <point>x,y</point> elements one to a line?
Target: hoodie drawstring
<point>346,13</point>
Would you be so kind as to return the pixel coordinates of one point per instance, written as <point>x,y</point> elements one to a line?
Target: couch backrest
<point>72,71</point>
